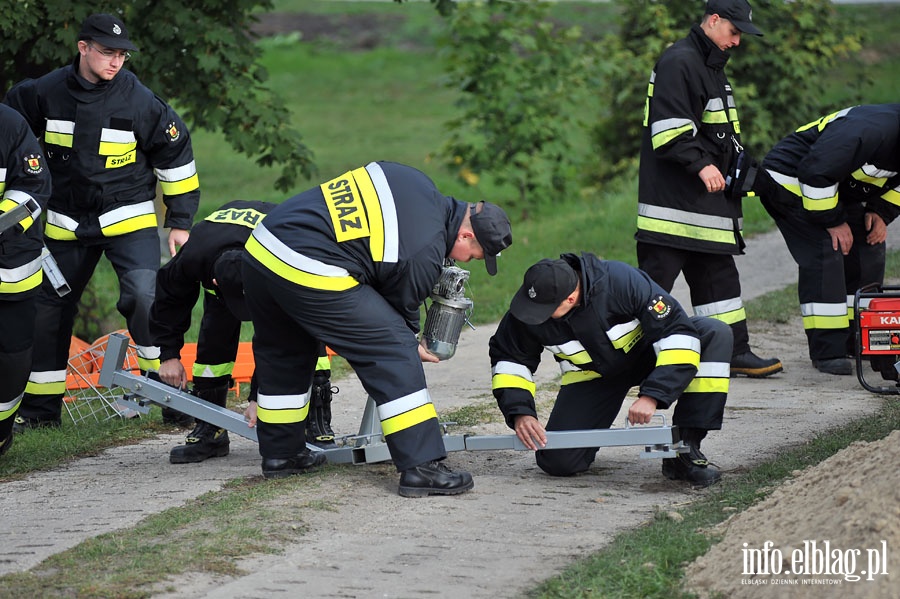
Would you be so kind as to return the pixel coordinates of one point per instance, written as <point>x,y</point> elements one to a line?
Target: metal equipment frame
<point>368,445</point>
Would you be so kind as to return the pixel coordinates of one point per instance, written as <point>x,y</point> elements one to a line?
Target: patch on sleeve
<point>659,308</point>
<point>34,164</point>
<point>172,131</point>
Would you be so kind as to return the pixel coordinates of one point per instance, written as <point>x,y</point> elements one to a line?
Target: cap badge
<point>116,29</point>
<point>531,292</point>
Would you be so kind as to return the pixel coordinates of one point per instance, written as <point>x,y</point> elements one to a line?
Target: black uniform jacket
<point>23,177</point>
<point>178,283</point>
<point>848,157</point>
<point>690,122</point>
<point>625,325</point>
<point>386,224</point>
<point>107,144</point>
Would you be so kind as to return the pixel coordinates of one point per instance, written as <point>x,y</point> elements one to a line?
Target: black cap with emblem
<point>544,287</point>
<point>107,30</point>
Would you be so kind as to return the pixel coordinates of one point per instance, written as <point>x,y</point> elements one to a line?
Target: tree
<point>203,59</point>
<point>519,77</point>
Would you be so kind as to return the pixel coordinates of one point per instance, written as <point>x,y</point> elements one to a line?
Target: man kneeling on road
<point>610,328</point>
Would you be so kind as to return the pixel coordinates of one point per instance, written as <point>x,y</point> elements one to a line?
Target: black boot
<point>433,478</point>
<point>751,365</point>
<point>6,443</point>
<point>205,441</point>
<point>299,464</point>
<point>691,466</point>
<point>318,422</point>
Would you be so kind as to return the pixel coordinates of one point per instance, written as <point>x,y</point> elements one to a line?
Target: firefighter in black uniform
<point>686,223</point>
<point>211,261</point>
<point>350,263</point>
<point>610,328</point>
<point>832,187</point>
<point>108,142</point>
<point>24,179</point>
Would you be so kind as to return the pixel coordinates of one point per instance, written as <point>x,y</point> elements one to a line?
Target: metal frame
<point>368,445</point>
<point>871,291</point>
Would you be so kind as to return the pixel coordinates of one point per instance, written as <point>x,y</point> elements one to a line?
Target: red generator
<point>877,325</point>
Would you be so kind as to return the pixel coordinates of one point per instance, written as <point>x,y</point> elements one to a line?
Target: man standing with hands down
<point>610,328</point>
<point>686,222</point>
<point>349,264</point>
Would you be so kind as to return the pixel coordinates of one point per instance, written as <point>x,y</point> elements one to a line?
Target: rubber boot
<point>205,441</point>
<point>691,466</point>
<point>318,422</point>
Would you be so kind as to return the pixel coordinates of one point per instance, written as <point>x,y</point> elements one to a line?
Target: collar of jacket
<point>83,89</point>
<point>715,56</point>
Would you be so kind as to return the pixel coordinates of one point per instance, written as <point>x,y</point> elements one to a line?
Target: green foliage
<point>520,78</point>
<point>204,60</point>
<point>777,79</point>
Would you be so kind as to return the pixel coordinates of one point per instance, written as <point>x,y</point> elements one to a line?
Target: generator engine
<point>877,311</point>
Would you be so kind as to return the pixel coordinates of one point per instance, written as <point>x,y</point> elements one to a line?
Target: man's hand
<point>876,228</point>
<point>530,432</point>
<point>250,414</point>
<point>171,372</point>
<point>642,410</point>
<point>177,238</point>
<point>425,355</point>
<point>841,238</point>
<point>712,178</point>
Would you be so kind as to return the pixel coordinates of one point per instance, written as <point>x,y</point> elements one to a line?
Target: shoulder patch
<point>172,131</point>
<point>659,307</point>
<point>34,164</point>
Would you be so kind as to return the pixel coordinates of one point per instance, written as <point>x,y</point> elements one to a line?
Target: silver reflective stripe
<point>677,342</point>
<point>388,212</point>
<point>47,376</point>
<point>117,136</point>
<point>873,171</point>
<point>714,370</point>
<point>821,309</point>
<point>148,352</point>
<point>620,330</point>
<point>819,193</point>
<point>667,124</point>
<point>569,348</point>
<point>61,220</point>
<point>720,307</point>
<point>125,212</point>
<point>512,368</point>
<point>715,105</point>
<point>404,404</point>
<point>180,173</point>
<point>295,259</point>
<point>687,218</point>
<point>67,127</point>
<point>282,402</point>
<point>20,273</point>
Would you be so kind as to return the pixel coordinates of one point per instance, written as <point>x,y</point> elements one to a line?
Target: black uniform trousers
<point>135,257</point>
<point>711,278</point>
<point>594,404</point>
<point>217,345</point>
<point>16,341</point>
<point>826,277</point>
<point>290,320</point>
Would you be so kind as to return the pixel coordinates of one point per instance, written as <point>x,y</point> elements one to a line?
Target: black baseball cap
<point>736,11</point>
<point>107,30</point>
<point>544,287</point>
<point>493,232</point>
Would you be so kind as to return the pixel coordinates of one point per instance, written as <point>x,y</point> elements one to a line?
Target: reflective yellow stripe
<point>295,275</point>
<point>581,357</point>
<point>25,284</point>
<point>511,381</point>
<point>59,139</point>
<point>212,370</point>
<point>130,225</point>
<point>375,227</point>
<point>49,388</point>
<point>180,187</point>
<point>345,206</point>
<point>670,357</point>
<point>707,385</point>
<point>52,231</point>
<point>731,317</point>
<point>892,196</point>
<point>579,376</point>
<point>323,363</point>
<point>148,364</point>
<point>9,408</point>
<point>825,322</point>
<point>682,230</point>
<point>408,419</point>
<point>282,416</point>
